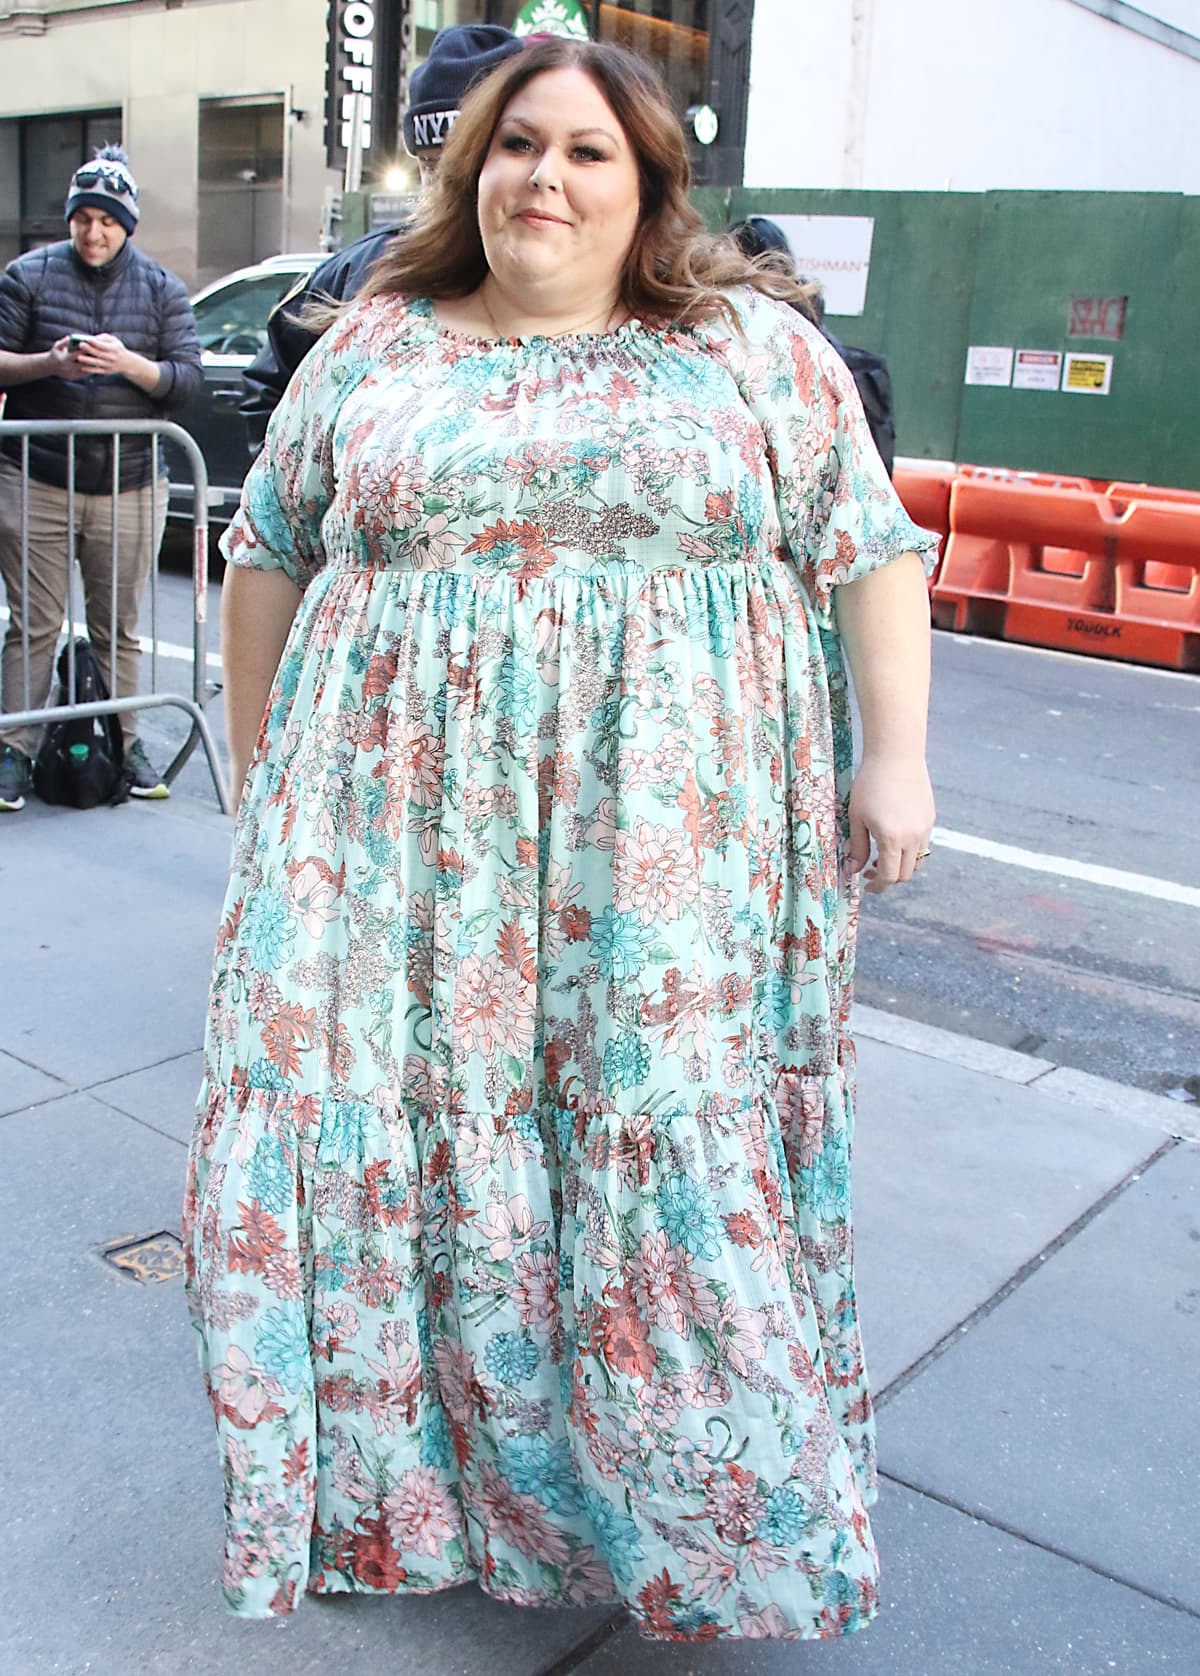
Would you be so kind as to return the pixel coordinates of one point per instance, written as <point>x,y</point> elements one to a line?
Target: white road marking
<point>1113,878</point>
<point>1009,855</point>
<point>167,649</point>
<point>1077,658</point>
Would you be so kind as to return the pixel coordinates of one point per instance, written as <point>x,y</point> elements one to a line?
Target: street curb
<point>1055,1082</point>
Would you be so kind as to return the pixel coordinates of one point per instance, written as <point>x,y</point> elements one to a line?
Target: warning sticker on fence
<point>988,363</point>
<point>1037,369</point>
<point>1088,375</point>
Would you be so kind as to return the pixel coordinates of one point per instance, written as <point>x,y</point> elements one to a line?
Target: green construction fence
<point>1015,270</point>
<point>1019,270</point>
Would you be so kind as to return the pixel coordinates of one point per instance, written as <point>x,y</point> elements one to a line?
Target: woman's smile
<point>540,218</point>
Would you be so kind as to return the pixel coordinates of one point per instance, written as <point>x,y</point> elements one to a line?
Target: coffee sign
<point>362,63</point>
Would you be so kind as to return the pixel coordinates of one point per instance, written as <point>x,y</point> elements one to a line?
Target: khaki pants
<point>139,536</point>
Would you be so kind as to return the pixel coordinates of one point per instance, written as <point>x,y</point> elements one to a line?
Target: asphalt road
<point>1067,757</point>
<point>1058,755</point>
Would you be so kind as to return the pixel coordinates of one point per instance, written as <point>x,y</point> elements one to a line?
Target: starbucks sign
<point>553,17</point>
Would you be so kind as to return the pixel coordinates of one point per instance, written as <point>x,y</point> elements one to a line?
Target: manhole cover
<point>146,1257</point>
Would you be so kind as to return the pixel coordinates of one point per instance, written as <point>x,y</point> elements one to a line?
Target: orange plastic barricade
<point>1074,567</point>
<point>1039,479</point>
<point>924,489</point>
<point>1176,579</point>
<point>1059,561</point>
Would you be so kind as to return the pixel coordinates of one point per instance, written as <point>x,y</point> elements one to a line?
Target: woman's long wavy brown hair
<point>674,270</point>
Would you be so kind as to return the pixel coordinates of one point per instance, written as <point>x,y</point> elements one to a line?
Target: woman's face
<point>558,193</point>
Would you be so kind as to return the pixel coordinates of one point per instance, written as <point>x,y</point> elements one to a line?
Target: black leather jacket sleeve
<point>340,277</point>
<point>874,382</point>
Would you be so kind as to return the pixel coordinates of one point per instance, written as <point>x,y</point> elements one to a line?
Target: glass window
<point>101,128</point>
<point>233,320</point>
<point>240,184</point>
<point>674,33</point>
<point>241,140</point>
<point>52,148</point>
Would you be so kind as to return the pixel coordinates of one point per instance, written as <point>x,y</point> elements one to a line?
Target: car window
<point>233,319</point>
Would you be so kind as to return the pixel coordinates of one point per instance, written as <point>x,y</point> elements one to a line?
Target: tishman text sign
<point>835,250</point>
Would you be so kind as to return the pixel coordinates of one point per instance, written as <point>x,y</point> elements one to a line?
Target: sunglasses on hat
<point>110,175</point>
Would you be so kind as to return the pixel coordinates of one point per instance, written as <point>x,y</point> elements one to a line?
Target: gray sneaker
<point>16,778</point>
<point>144,781</point>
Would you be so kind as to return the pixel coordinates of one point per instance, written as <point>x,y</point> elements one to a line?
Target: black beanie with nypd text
<point>459,57</point>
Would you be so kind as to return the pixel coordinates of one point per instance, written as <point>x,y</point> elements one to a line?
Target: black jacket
<point>47,294</point>
<point>341,276</point>
<point>875,387</point>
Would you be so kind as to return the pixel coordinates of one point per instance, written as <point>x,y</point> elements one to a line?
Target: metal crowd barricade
<point>193,706</point>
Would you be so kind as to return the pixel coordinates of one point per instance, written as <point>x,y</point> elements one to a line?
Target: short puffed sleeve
<point>290,487</point>
<point>840,515</point>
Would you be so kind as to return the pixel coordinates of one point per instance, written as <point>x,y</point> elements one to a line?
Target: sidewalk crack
<point>1020,1535</point>
<point>583,1650</point>
<point>1035,1263</point>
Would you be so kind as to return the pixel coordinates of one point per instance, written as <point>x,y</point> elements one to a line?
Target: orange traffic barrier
<point>1112,569</point>
<point>924,489</point>
<point>1038,479</point>
<point>1151,491</point>
<point>1174,578</point>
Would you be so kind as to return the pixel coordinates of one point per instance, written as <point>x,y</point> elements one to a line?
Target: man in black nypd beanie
<point>459,57</point>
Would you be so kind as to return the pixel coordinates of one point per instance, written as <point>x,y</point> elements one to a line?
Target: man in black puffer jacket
<point>89,329</point>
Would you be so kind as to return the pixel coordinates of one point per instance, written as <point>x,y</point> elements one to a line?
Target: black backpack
<point>875,387</point>
<point>81,761</point>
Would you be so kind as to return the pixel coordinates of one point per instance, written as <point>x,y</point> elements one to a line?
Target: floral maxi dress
<point>518,1207</point>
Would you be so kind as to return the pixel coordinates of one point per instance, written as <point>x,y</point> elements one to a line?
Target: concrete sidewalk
<point>1029,1265</point>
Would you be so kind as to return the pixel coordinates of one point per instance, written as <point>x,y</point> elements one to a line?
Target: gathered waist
<point>524,576</point>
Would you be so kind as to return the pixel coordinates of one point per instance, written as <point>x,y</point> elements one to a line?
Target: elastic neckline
<point>629,329</point>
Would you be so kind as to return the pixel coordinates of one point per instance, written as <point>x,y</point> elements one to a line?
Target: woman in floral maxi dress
<point>519,1203</point>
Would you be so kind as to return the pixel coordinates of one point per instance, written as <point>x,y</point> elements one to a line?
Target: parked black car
<point>231,319</point>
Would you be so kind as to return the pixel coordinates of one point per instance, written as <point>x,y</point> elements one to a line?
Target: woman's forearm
<point>884,624</point>
<point>257,609</point>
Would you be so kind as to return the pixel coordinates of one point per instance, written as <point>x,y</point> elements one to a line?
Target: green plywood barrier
<point>918,299</point>
<point>1037,251</point>
<point>949,270</point>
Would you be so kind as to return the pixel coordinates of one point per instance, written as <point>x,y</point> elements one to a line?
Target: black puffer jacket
<point>49,293</point>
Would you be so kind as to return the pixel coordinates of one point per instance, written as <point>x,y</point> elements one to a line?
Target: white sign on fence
<point>835,250</point>
<point>1037,369</point>
<point>989,363</point>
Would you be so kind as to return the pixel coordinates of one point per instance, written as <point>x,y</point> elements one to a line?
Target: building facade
<point>975,95</point>
<point>222,104</point>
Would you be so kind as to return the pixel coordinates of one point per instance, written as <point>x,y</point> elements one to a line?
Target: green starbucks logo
<point>552,17</point>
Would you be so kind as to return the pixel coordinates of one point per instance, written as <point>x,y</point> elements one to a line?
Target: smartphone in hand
<point>76,342</point>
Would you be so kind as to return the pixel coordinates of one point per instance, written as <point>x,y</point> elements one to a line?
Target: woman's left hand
<point>891,802</point>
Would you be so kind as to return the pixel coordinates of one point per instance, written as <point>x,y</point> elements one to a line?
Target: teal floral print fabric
<point>518,1213</point>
